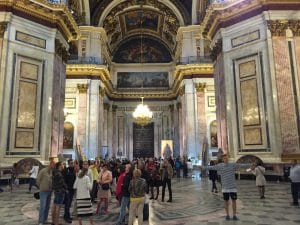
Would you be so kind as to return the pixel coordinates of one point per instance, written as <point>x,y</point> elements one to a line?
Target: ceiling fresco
<point>130,18</point>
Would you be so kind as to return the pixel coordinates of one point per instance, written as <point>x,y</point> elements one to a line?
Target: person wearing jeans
<point>125,194</point>
<point>44,181</point>
<point>166,174</point>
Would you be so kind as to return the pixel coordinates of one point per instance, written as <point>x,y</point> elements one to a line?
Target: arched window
<point>213,134</point>
<point>68,135</point>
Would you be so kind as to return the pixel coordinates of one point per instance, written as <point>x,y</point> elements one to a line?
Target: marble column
<point>102,121</point>
<point>110,133</point>
<point>93,120</point>
<point>190,120</point>
<point>202,128</point>
<point>114,131</point>
<point>176,131</point>
<point>104,146</point>
<point>3,28</point>
<point>82,116</point>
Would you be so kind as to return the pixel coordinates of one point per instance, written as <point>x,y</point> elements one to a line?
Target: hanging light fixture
<point>142,114</point>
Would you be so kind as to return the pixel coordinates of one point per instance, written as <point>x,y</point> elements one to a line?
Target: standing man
<point>44,181</point>
<point>295,181</point>
<point>166,174</point>
<point>33,175</point>
<point>70,177</point>
<point>227,172</point>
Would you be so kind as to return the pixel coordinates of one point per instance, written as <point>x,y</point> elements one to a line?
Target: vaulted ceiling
<point>151,23</point>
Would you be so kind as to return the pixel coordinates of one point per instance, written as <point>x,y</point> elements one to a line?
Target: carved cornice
<point>101,91</point>
<point>42,12</point>
<point>3,27</point>
<point>217,49</point>
<point>61,50</point>
<point>82,88</point>
<point>87,71</point>
<point>200,87</point>
<point>227,14</point>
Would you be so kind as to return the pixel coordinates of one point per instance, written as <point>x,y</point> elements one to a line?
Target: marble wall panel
<point>30,39</point>
<point>24,139</point>
<point>26,105</point>
<point>29,71</point>
<point>253,136</point>
<point>285,96</point>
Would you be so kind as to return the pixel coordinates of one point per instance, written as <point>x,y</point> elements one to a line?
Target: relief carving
<point>217,49</point>
<point>101,91</point>
<point>82,88</point>
<point>200,87</point>
<point>277,27</point>
<point>181,90</point>
<point>294,25</point>
<point>3,27</point>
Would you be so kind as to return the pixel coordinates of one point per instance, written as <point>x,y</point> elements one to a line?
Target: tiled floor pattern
<point>193,203</point>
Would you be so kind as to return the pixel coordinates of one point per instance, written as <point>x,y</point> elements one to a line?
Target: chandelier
<point>142,114</point>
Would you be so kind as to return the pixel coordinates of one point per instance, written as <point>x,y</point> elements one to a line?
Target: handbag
<point>105,186</point>
<point>36,195</point>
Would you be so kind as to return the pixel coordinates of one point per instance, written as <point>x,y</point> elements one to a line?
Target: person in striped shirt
<point>227,170</point>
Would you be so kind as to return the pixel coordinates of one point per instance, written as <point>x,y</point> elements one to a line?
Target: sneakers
<point>235,218</point>
<point>227,217</point>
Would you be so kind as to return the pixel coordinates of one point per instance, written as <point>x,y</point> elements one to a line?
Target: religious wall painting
<point>68,141</point>
<point>138,19</point>
<point>142,80</point>
<point>142,50</point>
<point>166,149</point>
<point>213,134</point>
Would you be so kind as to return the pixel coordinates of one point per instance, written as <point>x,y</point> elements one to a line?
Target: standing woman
<point>104,180</point>
<point>259,172</point>
<point>83,187</point>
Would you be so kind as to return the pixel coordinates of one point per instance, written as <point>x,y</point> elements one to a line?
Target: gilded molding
<point>61,50</point>
<point>82,88</point>
<point>51,15</point>
<point>200,87</point>
<point>3,27</point>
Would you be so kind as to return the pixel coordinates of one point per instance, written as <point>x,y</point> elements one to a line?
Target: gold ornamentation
<point>82,88</point>
<point>200,87</point>
<point>294,25</point>
<point>101,91</point>
<point>278,27</point>
<point>181,90</point>
<point>61,50</point>
<point>3,27</point>
<point>142,114</point>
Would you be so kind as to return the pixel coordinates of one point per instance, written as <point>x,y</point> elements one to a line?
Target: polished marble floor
<point>193,203</point>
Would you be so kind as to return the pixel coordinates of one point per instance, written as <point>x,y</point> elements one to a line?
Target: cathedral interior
<point>216,74</point>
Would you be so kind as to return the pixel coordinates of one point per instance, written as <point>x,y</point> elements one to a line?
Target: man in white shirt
<point>33,175</point>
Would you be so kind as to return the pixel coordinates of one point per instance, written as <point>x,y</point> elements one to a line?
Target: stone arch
<point>25,165</point>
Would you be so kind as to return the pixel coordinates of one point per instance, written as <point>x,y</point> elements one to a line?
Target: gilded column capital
<point>179,105</point>
<point>82,88</point>
<point>200,87</point>
<point>101,91</point>
<point>61,50</point>
<point>278,27</point>
<point>114,108</point>
<point>106,106</point>
<point>171,107</point>
<point>3,27</point>
<point>294,25</point>
<point>181,90</point>
<point>216,50</point>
